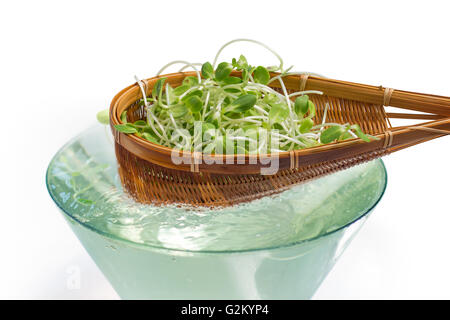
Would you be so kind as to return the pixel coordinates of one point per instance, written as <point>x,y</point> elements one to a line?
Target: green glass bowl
<point>139,270</point>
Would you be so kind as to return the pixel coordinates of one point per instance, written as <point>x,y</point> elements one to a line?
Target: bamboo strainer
<point>149,175</point>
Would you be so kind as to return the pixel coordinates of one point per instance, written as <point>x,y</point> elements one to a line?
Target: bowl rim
<point>162,248</point>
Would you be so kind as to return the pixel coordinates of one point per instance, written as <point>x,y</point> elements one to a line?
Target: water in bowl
<point>86,184</point>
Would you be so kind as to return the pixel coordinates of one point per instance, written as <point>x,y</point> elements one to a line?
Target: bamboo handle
<point>391,141</point>
<point>408,136</point>
<point>371,94</point>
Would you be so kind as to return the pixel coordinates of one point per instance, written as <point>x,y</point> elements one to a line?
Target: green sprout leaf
<point>278,113</point>
<point>270,98</point>
<point>276,126</point>
<point>240,64</point>
<point>140,123</point>
<point>245,76</point>
<point>125,128</point>
<point>345,136</point>
<point>194,103</point>
<point>103,116</point>
<point>261,75</point>
<point>232,90</point>
<point>190,81</point>
<point>123,117</point>
<point>208,126</point>
<point>208,129</point>
<point>178,110</point>
<point>141,101</point>
<point>223,70</point>
<point>197,93</point>
<point>85,202</point>
<point>306,125</point>
<point>311,109</point>
<point>301,105</point>
<point>331,134</point>
<point>178,91</point>
<point>232,80</point>
<point>357,129</point>
<point>207,70</point>
<point>243,103</point>
<point>149,137</point>
<point>158,88</point>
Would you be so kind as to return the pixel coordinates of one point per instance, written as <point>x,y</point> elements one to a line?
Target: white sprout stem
<point>236,122</point>
<point>163,131</point>
<point>258,108</point>
<point>205,105</point>
<point>173,121</point>
<point>256,118</point>
<point>283,125</point>
<point>178,62</point>
<point>288,101</point>
<point>150,123</point>
<point>219,105</point>
<point>139,82</point>
<point>247,40</point>
<point>167,95</point>
<point>208,113</point>
<point>327,124</point>
<point>231,86</point>
<point>231,95</point>
<point>286,95</point>
<point>246,118</point>
<point>352,133</point>
<point>265,88</point>
<point>324,116</point>
<point>308,135</point>
<point>285,143</point>
<point>299,73</point>
<point>241,138</point>
<point>164,106</point>
<point>263,144</point>
<point>190,90</point>
<point>303,135</point>
<point>296,141</point>
<point>301,93</point>
<point>189,66</point>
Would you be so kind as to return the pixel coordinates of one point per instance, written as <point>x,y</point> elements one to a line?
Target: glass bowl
<point>140,270</point>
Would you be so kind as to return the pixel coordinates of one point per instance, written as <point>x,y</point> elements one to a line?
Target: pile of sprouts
<point>215,111</point>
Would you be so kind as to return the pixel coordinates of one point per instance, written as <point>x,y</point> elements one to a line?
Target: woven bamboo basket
<point>149,174</point>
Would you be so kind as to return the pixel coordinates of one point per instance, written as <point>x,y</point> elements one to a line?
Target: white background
<point>61,62</point>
